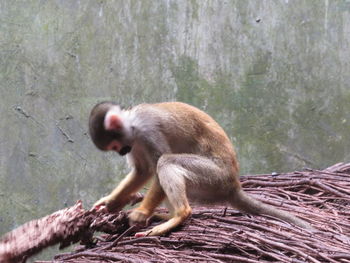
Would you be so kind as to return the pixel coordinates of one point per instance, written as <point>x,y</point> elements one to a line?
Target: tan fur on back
<point>199,129</point>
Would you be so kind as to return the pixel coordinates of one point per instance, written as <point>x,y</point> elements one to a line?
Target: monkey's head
<point>108,129</point>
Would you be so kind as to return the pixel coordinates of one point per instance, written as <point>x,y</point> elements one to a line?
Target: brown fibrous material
<point>211,234</point>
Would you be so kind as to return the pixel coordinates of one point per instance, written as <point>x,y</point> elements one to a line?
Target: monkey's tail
<point>248,204</point>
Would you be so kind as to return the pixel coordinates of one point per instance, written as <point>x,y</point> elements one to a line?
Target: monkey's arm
<point>153,198</point>
<point>120,196</point>
<point>156,145</point>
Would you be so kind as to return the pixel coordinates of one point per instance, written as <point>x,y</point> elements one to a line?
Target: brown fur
<point>190,157</point>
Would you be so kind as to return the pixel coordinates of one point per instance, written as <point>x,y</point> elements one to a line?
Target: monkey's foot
<point>161,216</point>
<point>143,234</point>
<point>152,232</point>
<point>162,228</point>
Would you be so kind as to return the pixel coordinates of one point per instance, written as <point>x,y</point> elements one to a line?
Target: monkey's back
<point>190,130</point>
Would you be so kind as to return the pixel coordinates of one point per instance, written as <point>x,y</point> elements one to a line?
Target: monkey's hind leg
<point>164,216</point>
<point>172,179</point>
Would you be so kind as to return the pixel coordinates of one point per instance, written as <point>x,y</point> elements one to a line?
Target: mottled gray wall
<point>275,74</point>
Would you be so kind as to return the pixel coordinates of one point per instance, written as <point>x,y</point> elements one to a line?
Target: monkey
<point>187,154</point>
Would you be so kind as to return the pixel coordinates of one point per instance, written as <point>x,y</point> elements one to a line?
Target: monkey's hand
<point>110,203</point>
<point>138,217</point>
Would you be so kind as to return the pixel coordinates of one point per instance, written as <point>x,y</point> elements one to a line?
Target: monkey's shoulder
<point>177,117</point>
<point>182,111</point>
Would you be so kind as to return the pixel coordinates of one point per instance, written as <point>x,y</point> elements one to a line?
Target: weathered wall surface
<point>275,74</point>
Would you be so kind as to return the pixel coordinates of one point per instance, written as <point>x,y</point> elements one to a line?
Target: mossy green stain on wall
<point>191,87</point>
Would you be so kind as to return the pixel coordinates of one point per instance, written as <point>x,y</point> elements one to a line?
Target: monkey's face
<point>107,130</point>
<point>118,147</point>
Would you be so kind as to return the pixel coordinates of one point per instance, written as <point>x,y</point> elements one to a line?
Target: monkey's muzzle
<point>126,149</point>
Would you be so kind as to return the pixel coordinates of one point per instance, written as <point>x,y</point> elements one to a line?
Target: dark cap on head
<point>98,134</point>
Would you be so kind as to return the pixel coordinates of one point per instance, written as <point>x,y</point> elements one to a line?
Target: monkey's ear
<point>112,121</point>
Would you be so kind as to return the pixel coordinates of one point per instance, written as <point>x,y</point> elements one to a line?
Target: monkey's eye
<point>115,135</point>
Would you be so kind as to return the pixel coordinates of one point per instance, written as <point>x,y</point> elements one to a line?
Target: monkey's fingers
<point>110,204</point>
<point>138,217</point>
<point>99,208</point>
<point>102,202</point>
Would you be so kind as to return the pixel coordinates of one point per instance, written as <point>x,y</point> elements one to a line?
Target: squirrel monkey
<point>187,153</point>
